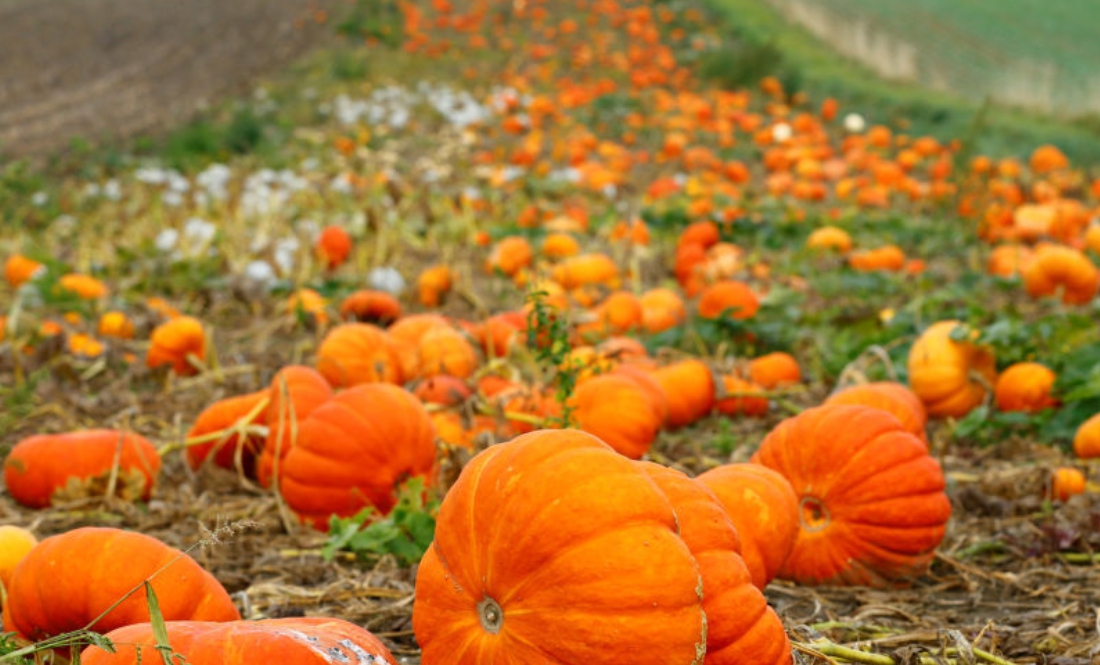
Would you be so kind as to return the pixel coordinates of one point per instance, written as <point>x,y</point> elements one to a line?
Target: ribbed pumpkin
<point>731,298</point>
<point>222,416</point>
<point>1025,387</point>
<point>369,306</point>
<point>661,309</point>
<point>75,464</point>
<point>1058,267</point>
<point>355,353</point>
<point>618,411</point>
<point>70,579</point>
<point>948,375</point>
<point>689,386</point>
<point>893,398</point>
<point>295,391</point>
<point>872,509</point>
<point>763,508</point>
<point>552,548</point>
<point>445,350</point>
<point>741,628</point>
<point>354,450</point>
<point>294,641</point>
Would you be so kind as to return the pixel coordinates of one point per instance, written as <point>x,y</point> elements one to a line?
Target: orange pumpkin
<point>84,287</point>
<point>949,376</point>
<point>98,566</point>
<point>176,342</point>
<point>730,298</point>
<point>1086,441</point>
<point>223,416</point>
<point>116,324</point>
<point>763,508</point>
<point>661,309</point>
<point>889,258</point>
<point>559,246</point>
<point>830,238</point>
<point>46,467</point>
<point>620,312</point>
<point>741,398</point>
<point>774,369</point>
<point>433,284</point>
<point>872,509</point>
<point>443,390</point>
<point>294,641</point>
<point>534,545</point>
<point>1067,481</point>
<point>741,628</point>
<point>894,398</point>
<point>295,392</point>
<point>444,350</point>
<point>307,305</point>
<point>1058,267</point>
<point>15,544</point>
<point>1025,387</point>
<point>618,411</point>
<point>333,247</point>
<point>354,450</point>
<point>509,256</point>
<point>1009,260</point>
<point>500,332</point>
<point>689,386</point>
<point>354,353</point>
<point>586,269</point>
<point>368,306</point>
<point>18,269</point>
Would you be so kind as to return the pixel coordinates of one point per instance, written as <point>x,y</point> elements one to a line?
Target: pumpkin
<point>354,450</point>
<point>689,386</point>
<point>294,641</point>
<point>444,350</point>
<point>500,332</point>
<point>369,306</point>
<point>830,238</point>
<point>620,312</point>
<point>295,392</point>
<point>1047,158</point>
<point>741,628</point>
<point>661,309</point>
<point>763,508</point>
<point>117,325</point>
<point>354,353</point>
<point>1025,386</point>
<point>889,258</point>
<point>15,543</point>
<point>509,256</point>
<point>951,377</point>
<point>618,411</point>
<point>47,467</point>
<point>1086,441</point>
<point>894,398</point>
<point>1065,482</point>
<point>586,269</point>
<point>307,305</point>
<point>176,342</point>
<point>18,269</point>
<point>741,398</point>
<point>333,247</point>
<point>84,287</point>
<point>560,246</point>
<point>645,380</point>
<point>872,509</point>
<point>1009,260</point>
<point>223,416</point>
<point>433,284</point>
<point>412,328</point>
<point>534,545</point>
<point>443,390</point>
<point>69,579</point>
<point>774,369</point>
<point>1058,267</point>
<point>728,298</point>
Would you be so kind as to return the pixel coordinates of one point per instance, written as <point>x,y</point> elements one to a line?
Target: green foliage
<point>548,336</point>
<point>744,63</point>
<point>406,532</point>
<point>209,139</point>
<point>372,19</point>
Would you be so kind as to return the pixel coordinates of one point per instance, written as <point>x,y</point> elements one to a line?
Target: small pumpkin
<point>950,376</point>
<point>1086,440</point>
<point>333,247</point>
<point>117,325</point>
<point>830,238</point>
<point>223,417</point>
<point>179,342</point>
<point>444,350</point>
<point>509,256</point>
<point>888,258</point>
<point>18,270</point>
<point>1025,386</point>
<point>763,508</point>
<point>84,287</point>
<point>872,508</point>
<point>443,390</point>
<point>728,298</point>
<point>370,306</point>
<point>690,388</point>
<point>46,467</point>
<point>533,547</point>
<point>894,398</point>
<point>774,369</point>
<point>586,269</point>
<point>741,628</point>
<point>662,309</point>
<point>68,580</point>
<point>618,411</point>
<point>354,450</point>
<point>15,543</point>
<point>1066,482</point>
<point>297,641</point>
<point>309,306</point>
<point>295,392</point>
<point>1058,267</point>
<point>354,353</point>
<point>434,284</point>
<point>741,398</point>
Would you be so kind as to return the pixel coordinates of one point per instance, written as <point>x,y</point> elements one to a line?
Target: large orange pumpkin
<point>689,386</point>
<point>741,628</point>
<point>70,579</point>
<point>354,450</point>
<point>949,376</point>
<point>43,467</point>
<point>295,392</point>
<point>618,411</point>
<point>294,641</point>
<point>355,353</point>
<point>894,398</point>
<point>872,509</point>
<point>534,547</point>
<point>763,508</point>
<point>223,416</point>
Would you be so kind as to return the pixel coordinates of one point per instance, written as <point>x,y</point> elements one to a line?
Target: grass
<point>803,62</point>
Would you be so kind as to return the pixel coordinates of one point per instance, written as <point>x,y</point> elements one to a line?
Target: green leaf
<point>156,620</point>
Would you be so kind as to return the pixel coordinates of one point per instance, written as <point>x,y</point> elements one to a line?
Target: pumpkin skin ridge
<point>510,484</point>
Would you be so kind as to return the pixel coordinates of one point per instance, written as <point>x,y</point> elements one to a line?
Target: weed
<point>406,532</point>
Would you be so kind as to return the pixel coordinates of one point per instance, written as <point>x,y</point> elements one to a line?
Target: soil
<point>113,69</point>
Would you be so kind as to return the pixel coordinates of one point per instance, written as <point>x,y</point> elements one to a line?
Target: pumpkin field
<point>503,331</point>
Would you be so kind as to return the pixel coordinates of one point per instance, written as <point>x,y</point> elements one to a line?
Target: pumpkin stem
<point>491,615</point>
<point>812,514</point>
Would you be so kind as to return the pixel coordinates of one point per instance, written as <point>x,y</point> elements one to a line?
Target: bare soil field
<point>110,69</point>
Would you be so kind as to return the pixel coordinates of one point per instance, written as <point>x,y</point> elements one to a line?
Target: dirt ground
<point>108,69</point>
